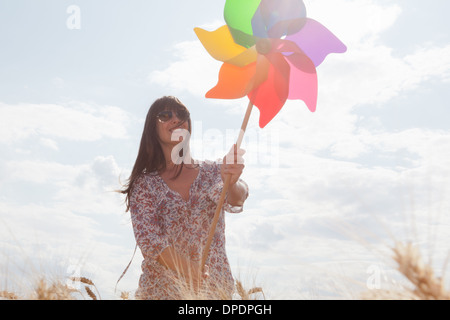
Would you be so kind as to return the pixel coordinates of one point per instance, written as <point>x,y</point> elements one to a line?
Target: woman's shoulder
<point>147,176</point>
<point>145,181</point>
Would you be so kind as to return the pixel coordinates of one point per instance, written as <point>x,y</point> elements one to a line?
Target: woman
<point>172,204</point>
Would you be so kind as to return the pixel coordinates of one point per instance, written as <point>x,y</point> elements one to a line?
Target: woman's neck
<point>169,164</point>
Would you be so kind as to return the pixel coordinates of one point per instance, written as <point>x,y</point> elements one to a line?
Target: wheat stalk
<point>88,290</point>
<point>82,280</point>
<point>8,295</point>
<point>90,293</point>
<point>425,284</point>
<point>55,291</point>
<point>421,275</point>
<point>125,295</point>
<point>245,294</point>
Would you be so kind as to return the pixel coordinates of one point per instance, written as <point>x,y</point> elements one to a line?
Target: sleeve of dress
<point>147,225</point>
<point>217,188</point>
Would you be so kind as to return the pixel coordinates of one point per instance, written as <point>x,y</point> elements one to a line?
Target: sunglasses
<point>181,113</point>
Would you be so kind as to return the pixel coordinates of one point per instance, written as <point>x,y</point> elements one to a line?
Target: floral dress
<point>162,218</point>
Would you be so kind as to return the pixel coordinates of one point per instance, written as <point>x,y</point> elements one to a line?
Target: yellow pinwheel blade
<point>221,46</point>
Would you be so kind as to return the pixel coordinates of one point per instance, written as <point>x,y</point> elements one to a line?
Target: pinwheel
<point>270,51</point>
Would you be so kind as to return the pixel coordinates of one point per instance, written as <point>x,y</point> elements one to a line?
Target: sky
<point>330,192</point>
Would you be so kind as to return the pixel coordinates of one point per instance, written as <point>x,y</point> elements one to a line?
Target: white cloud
<point>320,215</point>
<point>38,240</point>
<point>66,217</point>
<point>73,121</point>
<point>356,20</point>
<point>39,171</point>
<point>195,71</point>
<point>49,143</point>
<point>87,188</point>
<point>369,74</point>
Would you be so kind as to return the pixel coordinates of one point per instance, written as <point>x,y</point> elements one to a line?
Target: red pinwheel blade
<point>272,94</point>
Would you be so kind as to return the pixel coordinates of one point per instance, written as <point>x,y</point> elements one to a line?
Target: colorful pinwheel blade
<point>317,41</point>
<point>219,43</point>
<point>234,82</point>
<point>278,18</point>
<point>238,16</point>
<point>303,84</point>
<point>221,46</point>
<point>270,96</point>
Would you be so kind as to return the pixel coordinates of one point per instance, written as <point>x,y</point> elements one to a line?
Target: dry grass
<point>248,294</point>
<point>51,291</point>
<point>45,289</point>
<point>427,286</point>
<point>88,284</point>
<point>215,292</point>
<point>8,295</point>
<point>423,283</point>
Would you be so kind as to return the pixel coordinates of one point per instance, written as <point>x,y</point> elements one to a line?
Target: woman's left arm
<point>237,194</point>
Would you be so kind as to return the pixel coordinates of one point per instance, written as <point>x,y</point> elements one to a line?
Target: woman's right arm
<point>148,231</point>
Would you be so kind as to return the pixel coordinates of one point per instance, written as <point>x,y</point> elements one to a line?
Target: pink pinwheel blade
<point>303,84</point>
<point>317,41</point>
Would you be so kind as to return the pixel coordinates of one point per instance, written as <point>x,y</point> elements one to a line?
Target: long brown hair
<point>150,156</point>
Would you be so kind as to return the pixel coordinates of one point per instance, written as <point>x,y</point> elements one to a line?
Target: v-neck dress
<point>162,218</point>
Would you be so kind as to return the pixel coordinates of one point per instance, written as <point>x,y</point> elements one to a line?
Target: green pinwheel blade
<point>238,16</point>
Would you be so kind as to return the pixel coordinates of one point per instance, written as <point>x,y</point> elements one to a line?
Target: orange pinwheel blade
<point>234,82</point>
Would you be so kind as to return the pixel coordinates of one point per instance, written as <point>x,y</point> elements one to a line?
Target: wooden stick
<point>226,185</point>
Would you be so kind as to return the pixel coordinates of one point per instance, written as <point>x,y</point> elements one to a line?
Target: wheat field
<point>422,284</point>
